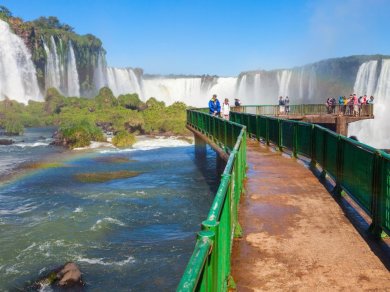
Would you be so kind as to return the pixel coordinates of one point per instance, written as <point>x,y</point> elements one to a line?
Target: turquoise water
<point>132,234</point>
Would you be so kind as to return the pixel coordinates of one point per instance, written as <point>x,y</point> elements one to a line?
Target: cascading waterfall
<point>312,87</point>
<point>366,78</point>
<point>242,89</point>
<point>374,132</point>
<point>100,73</point>
<point>284,78</point>
<point>187,90</point>
<point>225,87</point>
<point>72,74</point>
<point>257,87</point>
<point>123,81</point>
<point>54,71</point>
<point>18,79</point>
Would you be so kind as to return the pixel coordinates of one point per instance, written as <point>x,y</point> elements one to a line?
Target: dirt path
<point>296,237</point>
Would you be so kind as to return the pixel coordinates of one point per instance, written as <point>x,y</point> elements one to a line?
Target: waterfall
<point>123,81</point>
<point>73,77</point>
<point>366,78</point>
<point>187,90</point>
<point>284,78</point>
<point>374,132</point>
<point>312,87</point>
<point>100,73</point>
<point>257,87</point>
<point>224,88</point>
<point>242,89</point>
<point>18,79</point>
<point>54,73</point>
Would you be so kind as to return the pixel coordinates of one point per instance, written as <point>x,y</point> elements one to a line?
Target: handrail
<point>209,266</point>
<point>358,169</point>
<point>365,110</point>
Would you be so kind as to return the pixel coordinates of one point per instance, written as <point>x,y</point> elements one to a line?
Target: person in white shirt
<point>226,109</point>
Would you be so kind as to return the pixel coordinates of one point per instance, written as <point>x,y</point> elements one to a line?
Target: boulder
<point>69,275</point>
<point>66,276</point>
<point>6,141</point>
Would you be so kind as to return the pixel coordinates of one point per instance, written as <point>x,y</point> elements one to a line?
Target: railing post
<point>267,131</point>
<point>214,261</point>
<point>323,173</point>
<point>339,166</point>
<point>295,140</point>
<point>279,135</point>
<point>313,146</point>
<point>376,207</point>
<point>257,128</point>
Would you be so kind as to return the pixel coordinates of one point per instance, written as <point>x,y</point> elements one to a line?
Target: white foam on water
<point>78,210</point>
<point>35,144</point>
<point>19,210</point>
<point>11,270</point>
<point>100,223</point>
<point>45,288</point>
<point>95,145</point>
<point>100,261</point>
<point>145,143</point>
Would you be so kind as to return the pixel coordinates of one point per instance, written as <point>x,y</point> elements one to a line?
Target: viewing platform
<point>335,118</point>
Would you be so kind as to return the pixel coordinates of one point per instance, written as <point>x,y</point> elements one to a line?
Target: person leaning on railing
<point>281,105</point>
<point>214,106</point>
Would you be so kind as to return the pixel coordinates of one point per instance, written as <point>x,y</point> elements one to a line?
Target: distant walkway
<point>296,237</point>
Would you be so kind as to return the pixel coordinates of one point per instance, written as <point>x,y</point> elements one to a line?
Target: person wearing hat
<point>214,106</point>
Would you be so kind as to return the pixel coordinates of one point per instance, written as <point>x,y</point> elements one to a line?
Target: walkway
<point>296,237</point>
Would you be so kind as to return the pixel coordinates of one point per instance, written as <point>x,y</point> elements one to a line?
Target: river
<point>126,234</point>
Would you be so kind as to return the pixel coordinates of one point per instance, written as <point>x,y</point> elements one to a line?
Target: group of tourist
<point>284,105</point>
<point>353,106</point>
<point>215,108</point>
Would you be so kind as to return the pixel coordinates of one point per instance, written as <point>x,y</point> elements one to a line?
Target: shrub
<point>14,127</point>
<point>80,134</point>
<point>123,139</point>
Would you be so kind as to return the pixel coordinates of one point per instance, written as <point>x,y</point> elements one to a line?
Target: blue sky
<point>221,37</point>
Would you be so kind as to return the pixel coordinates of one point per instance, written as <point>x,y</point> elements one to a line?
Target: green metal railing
<point>209,265</point>
<point>366,110</point>
<point>358,169</point>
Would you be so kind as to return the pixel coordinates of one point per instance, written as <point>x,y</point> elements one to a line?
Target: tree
<point>5,13</point>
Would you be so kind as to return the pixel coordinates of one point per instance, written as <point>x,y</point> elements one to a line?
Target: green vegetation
<point>80,133</point>
<point>123,139</point>
<point>96,177</point>
<point>81,120</point>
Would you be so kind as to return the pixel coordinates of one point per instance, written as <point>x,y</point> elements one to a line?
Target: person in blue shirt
<point>214,106</point>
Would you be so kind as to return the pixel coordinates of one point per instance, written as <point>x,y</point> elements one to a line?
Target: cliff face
<point>57,37</point>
